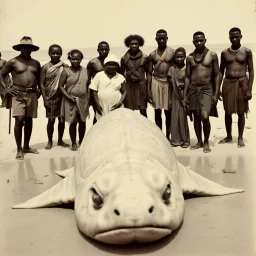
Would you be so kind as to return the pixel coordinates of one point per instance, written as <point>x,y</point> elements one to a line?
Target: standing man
<point>134,67</point>
<point>201,66</point>
<point>236,88</point>
<point>25,74</point>
<point>160,61</point>
<point>94,66</point>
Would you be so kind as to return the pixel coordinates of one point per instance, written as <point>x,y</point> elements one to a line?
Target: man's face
<point>235,38</point>
<point>199,41</point>
<point>134,45</point>
<point>25,50</point>
<point>161,39</point>
<point>103,50</point>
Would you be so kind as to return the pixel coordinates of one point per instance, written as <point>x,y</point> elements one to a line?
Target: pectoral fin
<point>62,193</point>
<point>193,183</point>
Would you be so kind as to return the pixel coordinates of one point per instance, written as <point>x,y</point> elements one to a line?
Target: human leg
<point>228,125</point>
<point>50,130</point>
<point>198,131</point>
<point>206,130</point>
<point>61,128</point>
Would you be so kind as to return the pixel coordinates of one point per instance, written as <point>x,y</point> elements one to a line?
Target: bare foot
<point>19,155</point>
<point>240,143</point>
<point>63,144</point>
<point>206,147</point>
<point>49,145</point>
<point>74,147</point>
<point>185,145</point>
<point>197,146</point>
<point>30,150</point>
<point>225,140</point>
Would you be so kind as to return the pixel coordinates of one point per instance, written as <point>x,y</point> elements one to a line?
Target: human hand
<point>214,99</point>
<point>47,105</point>
<point>184,102</point>
<point>248,95</point>
<point>11,91</point>
<point>118,105</point>
<point>72,98</point>
<point>170,105</point>
<point>99,109</point>
<point>220,96</point>
<point>150,98</point>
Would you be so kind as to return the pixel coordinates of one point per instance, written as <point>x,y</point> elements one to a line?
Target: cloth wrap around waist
<point>233,94</point>
<point>200,99</point>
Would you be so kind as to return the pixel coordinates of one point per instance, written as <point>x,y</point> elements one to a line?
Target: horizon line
<point>89,47</point>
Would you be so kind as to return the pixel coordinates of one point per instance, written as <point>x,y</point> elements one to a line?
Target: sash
<point>160,59</point>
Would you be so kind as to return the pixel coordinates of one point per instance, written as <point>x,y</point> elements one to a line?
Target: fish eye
<point>97,200</point>
<point>167,194</point>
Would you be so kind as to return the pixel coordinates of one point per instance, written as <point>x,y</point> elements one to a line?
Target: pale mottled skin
<point>120,182</point>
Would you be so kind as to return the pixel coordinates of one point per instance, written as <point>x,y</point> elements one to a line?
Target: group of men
<point>146,79</point>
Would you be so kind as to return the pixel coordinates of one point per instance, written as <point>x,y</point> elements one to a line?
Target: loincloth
<point>136,95</point>
<point>55,106</point>
<point>233,94</point>
<point>200,99</point>
<point>160,93</point>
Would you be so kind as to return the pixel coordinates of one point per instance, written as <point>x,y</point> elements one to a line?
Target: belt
<point>26,90</point>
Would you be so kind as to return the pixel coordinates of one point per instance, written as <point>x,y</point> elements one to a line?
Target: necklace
<point>201,59</point>
<point>236,51</point>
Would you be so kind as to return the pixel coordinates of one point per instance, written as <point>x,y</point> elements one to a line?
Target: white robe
<point>108,91</point>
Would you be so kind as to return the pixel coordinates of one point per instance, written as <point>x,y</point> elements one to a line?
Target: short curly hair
<point>129,38</point>
<point>70,53</point>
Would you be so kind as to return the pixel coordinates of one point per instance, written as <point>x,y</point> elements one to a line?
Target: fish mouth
<point>126,235</point>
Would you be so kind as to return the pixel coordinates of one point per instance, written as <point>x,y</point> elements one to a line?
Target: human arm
<point>216,72</point>
<point>222,72</point>
<point>123,92</point>
<point>122,66</point>
<point>187,80</point>
<point>3,73</point>
<point>94,86</point>
<point>62,81</point>
<point>149,78</point>
<point>89,72</point>
<point>42,86</point>
<point>169,79</point>
<point>251,74</point>
<point>38,70</point>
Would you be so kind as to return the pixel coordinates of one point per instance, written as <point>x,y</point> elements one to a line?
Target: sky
<point>84,23</point>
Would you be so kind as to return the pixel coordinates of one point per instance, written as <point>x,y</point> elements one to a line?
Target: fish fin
<point>193,183</point>
<point>61,193</point>
<point>65,173</point>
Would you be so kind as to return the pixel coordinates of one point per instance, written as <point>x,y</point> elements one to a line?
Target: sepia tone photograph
<point>127,128</point>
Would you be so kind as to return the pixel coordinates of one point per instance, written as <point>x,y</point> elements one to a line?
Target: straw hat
<point>25,41</point>
<point>111,58</point>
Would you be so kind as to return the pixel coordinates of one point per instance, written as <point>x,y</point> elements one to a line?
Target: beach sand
<point>212,225</point>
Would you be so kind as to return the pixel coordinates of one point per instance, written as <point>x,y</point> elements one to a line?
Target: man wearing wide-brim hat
<point>25,75</point>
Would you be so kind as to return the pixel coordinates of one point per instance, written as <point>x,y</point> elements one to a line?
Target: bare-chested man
<point>236,88</point>
<point>25,74</point>
<point>96,65</point>
<point>201,66</point>
<point>160,61</point>
<point>134,67</point>
<point>8,82</point>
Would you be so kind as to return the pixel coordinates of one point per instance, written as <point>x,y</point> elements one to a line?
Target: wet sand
<point>212,226</point>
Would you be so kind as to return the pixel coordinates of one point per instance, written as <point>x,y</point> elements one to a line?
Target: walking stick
<point>10,119</point>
